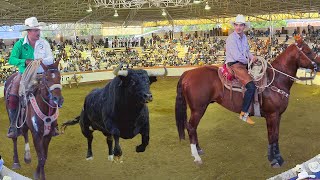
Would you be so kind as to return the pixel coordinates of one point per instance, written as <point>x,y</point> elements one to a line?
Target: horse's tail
<point>181,110</point>
<point>70,123</point>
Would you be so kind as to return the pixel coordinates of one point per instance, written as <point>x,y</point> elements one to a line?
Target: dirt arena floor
<point>233,149</point>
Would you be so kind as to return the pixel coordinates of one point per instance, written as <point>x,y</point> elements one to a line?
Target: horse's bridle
<point>52,87</point>
<point>315,67</point>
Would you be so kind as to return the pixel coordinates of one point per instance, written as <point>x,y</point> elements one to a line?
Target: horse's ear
<point>56,64</point>
<point>45,68</point>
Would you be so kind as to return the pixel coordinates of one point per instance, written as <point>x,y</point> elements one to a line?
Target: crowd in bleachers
<point>189,49</point>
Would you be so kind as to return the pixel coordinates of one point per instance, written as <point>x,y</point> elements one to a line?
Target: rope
<point>26,83</point>
<point>258,69</point>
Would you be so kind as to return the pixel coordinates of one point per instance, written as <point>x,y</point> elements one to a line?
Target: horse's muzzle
<point>315,66</point>
<point>58,100</point>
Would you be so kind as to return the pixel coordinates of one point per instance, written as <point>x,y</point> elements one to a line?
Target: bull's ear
<point>152,79</point>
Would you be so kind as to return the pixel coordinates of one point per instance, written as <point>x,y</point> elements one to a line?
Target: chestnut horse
<point>199,87</point>
<point>41,112</point>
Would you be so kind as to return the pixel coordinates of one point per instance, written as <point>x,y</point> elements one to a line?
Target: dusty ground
<point>233,149</point>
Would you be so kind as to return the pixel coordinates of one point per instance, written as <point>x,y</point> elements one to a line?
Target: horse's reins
<point>274,88</point>
<point>296,78</point>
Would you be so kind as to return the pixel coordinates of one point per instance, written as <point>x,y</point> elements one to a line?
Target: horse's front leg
<point>16,163</point>
<point>45,145</point>
<point>27,154</point>
<point>274,156</point>
<point>38,145</point>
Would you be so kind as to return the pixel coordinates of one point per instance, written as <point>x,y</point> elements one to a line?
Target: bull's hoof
<point>110,157</point>
<point>89,158</point>
<point>16,166</point>
<point>117,159</point>
<point>140,148</point>
<point>117,152</point>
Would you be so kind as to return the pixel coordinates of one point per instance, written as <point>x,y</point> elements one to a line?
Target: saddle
<point>230,82</point>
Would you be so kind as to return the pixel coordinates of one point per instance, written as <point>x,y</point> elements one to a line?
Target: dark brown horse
<point>199,87</point>
<point>40,113</point>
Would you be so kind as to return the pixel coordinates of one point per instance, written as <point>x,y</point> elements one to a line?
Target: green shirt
<point>20,53</point>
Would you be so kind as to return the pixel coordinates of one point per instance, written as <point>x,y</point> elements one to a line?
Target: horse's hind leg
<point>16,163</point>
<point>27,154</point>
<point>196,115</point>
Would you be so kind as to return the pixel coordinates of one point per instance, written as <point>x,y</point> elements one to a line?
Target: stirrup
<point>246,118</point>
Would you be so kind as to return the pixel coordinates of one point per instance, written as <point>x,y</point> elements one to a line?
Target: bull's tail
<point>181,110</point>
<point>69,123</point>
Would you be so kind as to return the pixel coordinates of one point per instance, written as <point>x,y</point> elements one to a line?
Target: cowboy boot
<point>245,117</point>
<point>13,131</point>
<point>248,97</point>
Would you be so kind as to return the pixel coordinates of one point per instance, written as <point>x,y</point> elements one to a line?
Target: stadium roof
<point>130,13</point>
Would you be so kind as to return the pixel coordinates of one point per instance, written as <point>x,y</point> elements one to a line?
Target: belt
<point>232,63</point>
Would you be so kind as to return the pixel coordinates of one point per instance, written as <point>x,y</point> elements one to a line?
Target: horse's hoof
<point>36,176</point>
<point>198,162</point>
<point>200,152</point>
<point>89,158</point>
<point>27,161</point>
<point>276,165</point>
<point>16,166</point>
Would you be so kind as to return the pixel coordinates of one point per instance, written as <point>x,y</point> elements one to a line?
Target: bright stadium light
<point>140,4</point>
<point>116,13</point>
<point>164,12</point>
<point>196,2</point>
<point>10,29</point>
<point>89,10</point>
<point>207,7</point>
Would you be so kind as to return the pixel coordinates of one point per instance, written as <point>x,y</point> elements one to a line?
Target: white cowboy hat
<point>32,23</point>
<point>240,19</point>
<point>314,167</point>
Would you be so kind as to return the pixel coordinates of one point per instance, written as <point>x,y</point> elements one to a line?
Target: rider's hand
<point>254,59</point>
<point>28,61</point>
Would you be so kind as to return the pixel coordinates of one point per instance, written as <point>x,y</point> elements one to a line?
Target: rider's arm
<point>48,58</point>
<point>15,54</point>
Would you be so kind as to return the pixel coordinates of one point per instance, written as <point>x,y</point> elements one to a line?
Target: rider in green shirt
<point>27,49</point>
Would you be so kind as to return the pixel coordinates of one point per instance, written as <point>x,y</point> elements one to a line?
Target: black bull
<point>118,110</point>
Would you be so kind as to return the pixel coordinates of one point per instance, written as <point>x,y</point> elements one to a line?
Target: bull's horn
<point>151,73</point>
<point>117,71</point>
